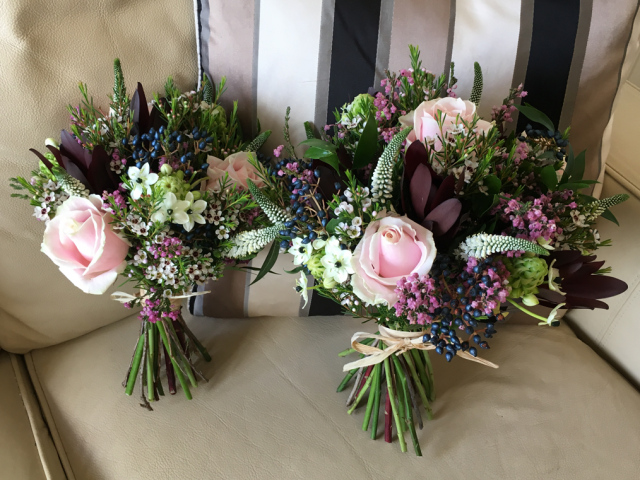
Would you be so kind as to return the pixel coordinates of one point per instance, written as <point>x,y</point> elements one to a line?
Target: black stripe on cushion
<point>353,51</point>
<point>555,24</point>
<point>323,306</point>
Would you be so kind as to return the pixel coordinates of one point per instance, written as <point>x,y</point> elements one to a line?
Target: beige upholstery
<point>553,409</point>
<point>19,459</point>
<point>615,332</point>
<point>46,48</point>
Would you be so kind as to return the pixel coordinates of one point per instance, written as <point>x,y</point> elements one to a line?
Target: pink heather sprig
<point>503,114</point>
<point>534,218</point>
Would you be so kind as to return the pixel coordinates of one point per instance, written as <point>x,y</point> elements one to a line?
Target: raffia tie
<point>397,343</point>
<point>124,297</point>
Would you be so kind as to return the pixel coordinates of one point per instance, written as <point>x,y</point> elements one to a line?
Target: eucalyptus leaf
<point>573,186</point>
<point>318,153</point>
<point>295,270</point>
<point>368,143</point>
<point>568,169</point>
<point>332,225</point>
<point>269,262</point>
<point>316,142</point>
<point>536,115</point>
<point>578,167</point>
<point>549,177</point>
<point>610,216</point>
<point>493,183</point>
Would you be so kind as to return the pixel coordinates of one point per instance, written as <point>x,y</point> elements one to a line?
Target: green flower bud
<point>166,169</point>
<point>315,265</point>
<point>361,106</point>
<point>328,283</point>
<point>527,272</point>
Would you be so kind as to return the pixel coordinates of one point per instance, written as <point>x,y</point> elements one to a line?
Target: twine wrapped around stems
<point>397,343</point>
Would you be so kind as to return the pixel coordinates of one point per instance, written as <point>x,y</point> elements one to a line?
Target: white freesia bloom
<point>553,274</point>
<point>301,288</point>
<point>552,315</point>
<point>301,252</point>
<point>191,213</point>
<point>141,180</point>
<point>337,264</point>
<point>169,207</point>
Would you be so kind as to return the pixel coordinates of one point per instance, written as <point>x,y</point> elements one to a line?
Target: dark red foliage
<point>581,286</point>
<point>427,198</point>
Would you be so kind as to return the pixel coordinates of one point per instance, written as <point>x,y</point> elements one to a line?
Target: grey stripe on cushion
<point>228,31</point>
<point>422,23</point>
<point>609,36</point>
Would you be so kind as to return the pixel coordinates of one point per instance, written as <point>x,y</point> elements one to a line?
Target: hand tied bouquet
<point>152,192</point>
<point>421,216</point>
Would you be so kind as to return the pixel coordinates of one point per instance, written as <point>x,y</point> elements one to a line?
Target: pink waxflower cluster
<point>503,113</point>
<point>534,218</point>
<point>170,247</point>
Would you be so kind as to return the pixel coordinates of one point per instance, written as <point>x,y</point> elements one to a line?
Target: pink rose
<point>237,166</point>
<point>391,248</point>
<point>424,119</point>
<point>81,242</point>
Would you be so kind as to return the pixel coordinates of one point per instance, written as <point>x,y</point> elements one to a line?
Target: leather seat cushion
<point>18,453</point>
<point>554,409</point>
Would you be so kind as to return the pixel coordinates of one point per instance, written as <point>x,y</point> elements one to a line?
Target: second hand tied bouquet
<point>421,216</point>
<point>151,192</point>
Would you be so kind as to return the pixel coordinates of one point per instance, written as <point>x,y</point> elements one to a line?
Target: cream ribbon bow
<point>397,343</point>
<point>124,297</point>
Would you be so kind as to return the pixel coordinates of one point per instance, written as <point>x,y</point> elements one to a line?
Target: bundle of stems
<point>173,340</point>
<point>405,381</point>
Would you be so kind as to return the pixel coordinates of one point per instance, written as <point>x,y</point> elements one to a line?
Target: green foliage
<point>368,143</point>
<point>536,115</point>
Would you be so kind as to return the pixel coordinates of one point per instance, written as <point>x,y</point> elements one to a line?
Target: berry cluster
<point>453,303</point>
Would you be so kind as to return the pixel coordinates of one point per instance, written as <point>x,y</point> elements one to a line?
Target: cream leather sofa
<point>555,409</point>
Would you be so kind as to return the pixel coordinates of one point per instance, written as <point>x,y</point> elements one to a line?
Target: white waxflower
<point>169,206</point>
<point>301,252</point>
<point>356,222</point>
<point>42,212</point>
<point>142,180</point>
<point>337,265</point>
<point>366,203</point>
<point>191,213</point>
<point>301,288</point>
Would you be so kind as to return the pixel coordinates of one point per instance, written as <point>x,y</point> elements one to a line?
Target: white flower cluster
<point>164,271</point>
<point>252,241</point>
<point>137,225</point>
<point>482,245</point>
<point>52,197</point>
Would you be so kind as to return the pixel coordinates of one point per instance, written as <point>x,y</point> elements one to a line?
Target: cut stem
<point>432,386</point>
<point>372,396</point>
<point>135,366</point>
<point>151,363</point>
<point>394,409</point>
<point>418,382</point>
<point>363,390</point>
<point>176,368</point>
<point>377,387</point>
<point>387,418</point>
<point>203,351</point>
<point>407,404</point>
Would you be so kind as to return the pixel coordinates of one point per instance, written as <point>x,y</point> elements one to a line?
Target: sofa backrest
<point>615,332</point>
<point>46,48</point>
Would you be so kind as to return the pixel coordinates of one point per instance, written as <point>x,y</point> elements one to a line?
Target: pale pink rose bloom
<point>391,248</point>
<point>424,119</point>
<point>237,166</point>
<point>81,242</point>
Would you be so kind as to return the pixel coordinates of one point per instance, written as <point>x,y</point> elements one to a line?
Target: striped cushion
<point>317,55</point>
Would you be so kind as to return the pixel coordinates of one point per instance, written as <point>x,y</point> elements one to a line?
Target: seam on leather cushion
<point>46,410</point>
<point>618,177</point>
<point>44,443</point>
